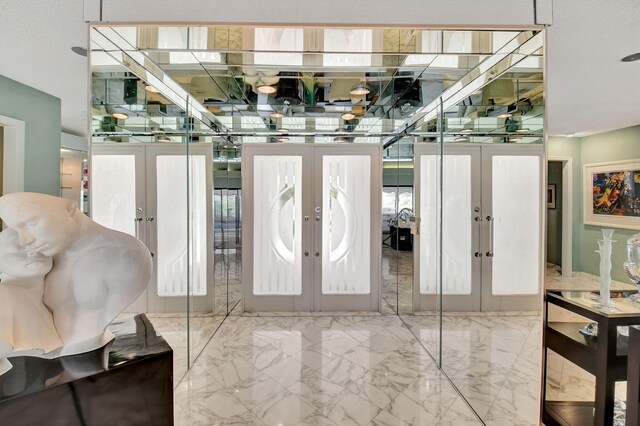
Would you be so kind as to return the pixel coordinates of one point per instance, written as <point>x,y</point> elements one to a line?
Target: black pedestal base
<point>129,382</point>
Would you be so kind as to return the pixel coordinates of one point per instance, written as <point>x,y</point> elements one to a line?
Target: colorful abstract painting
<point>616,193</point>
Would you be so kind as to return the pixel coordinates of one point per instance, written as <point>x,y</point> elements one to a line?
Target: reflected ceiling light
<point>515,139</point>
<point>340,139</point>
<point>283,139</point>
<point>461,139</point>
<point>360,90</point>
<point>267,89</point>
<point>630,58</point>
<point>466,130</point>
<point>347,116</point>
<point>505,115</point>
<point>152,89</point>
<point>523,130</point>
<point>120,115</point>
<point>283,130</point>
<point>164,139</point>
<point>277,115</point>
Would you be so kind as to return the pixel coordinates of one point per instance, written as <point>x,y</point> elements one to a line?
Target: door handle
<point>490,252</point>
<point>317,218</point>
<point>137,220</point>
<point>306,218</point>
<point>149,220</point>
<point>317,254</point>
<point>477,254</point>
<point>306,253</point>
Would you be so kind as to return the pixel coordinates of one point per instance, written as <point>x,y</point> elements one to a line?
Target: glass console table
<point>604,356</point>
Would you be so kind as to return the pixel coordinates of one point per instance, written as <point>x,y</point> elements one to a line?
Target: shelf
<point>566,413</point>
<point>565,339</point>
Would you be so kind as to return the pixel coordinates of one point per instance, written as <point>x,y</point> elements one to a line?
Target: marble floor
<point>371,369</point>
<point>493,359</point>
<point>325,370</point>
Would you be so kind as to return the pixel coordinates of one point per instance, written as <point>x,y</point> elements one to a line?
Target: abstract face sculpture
<point>17,262</point>
<point>44,224</point>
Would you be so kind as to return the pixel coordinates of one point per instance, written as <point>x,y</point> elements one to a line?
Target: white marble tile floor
<point>323,370</point>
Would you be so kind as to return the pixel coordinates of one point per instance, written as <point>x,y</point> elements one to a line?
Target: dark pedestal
<point>401,238</point>
<point>129,382</point>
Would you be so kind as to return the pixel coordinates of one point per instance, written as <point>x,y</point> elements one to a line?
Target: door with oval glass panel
<point>311,216</point>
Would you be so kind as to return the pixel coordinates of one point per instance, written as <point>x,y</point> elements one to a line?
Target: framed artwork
<point>551,196</point>
<point>611,194</point>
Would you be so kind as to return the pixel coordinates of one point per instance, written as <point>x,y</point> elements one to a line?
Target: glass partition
<point>460,117</point>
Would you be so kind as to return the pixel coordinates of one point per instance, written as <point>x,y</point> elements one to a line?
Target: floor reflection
<point>397,281</point>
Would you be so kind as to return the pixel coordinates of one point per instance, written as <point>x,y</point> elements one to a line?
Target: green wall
<point>41,114</point>
<point>622,144</point>
<point>554,216</point>
<point>570,147</point>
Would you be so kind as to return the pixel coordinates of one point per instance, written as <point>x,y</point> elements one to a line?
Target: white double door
<point>162,196</point>
<point>488,252</point>
<point>311,227</point>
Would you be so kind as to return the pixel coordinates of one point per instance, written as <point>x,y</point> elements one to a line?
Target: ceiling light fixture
<point>347,116</point>
<point>631,58</point>
<point>150,88</point>
<point>461,139</point>
<point>283,139</point>
<point>164,139</point>
<point>83,52</point>
<point>570,135</point>
<point>360,90</point>
<point>340,139</point>
<point>267,89</point>
<point>277,115</point>
<point>515,139</point>
<point>120,115</point>
<point>505,115</point>
<point>283,130</point>
<point>467,130</point>
<point>523,130</point>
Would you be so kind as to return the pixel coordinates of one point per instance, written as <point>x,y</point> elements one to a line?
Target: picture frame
<point>611,194</point>
<point>551,196</point>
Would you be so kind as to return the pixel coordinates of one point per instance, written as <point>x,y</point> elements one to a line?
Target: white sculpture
<point>26,324</point>
<point>604,249</point>
<point>97,272</point>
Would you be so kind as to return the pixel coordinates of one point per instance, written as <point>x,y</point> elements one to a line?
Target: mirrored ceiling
<point>246,84</point>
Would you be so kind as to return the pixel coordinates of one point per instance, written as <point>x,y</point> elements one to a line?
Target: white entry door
<point>163,197</point>
<point>311,217</point>
<point>486,255</point>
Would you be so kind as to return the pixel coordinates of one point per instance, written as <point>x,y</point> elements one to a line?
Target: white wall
<point>492,13</point>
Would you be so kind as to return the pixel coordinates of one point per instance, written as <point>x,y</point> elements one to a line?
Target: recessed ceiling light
<point>570,135</point>
<point>283,130</point>
<point>120,115</point>
<point>347,116</point>
<point>505,115</point>
<point>461,139</point>
<point>360,90</point>
<point>267,89</point>
<point>277,115</point>
<point>523,130</point>
<point>631,58</point>
<point>150,88</point>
